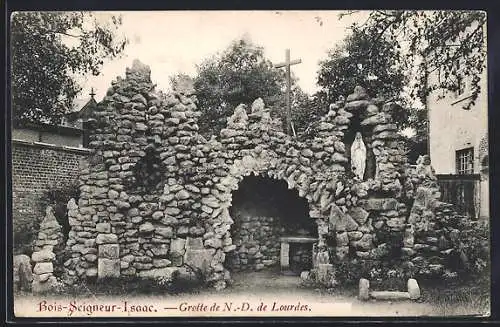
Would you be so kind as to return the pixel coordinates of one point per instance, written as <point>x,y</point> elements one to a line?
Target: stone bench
<point>365,294</point>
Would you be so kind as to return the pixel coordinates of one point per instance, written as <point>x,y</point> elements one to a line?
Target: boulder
<point>413,289</point>
<point>43,268</point>
<point>43,256</point>
<point>103,227</point>
<point>43,287</point>
<point>194,243</point>
<point>258,105</point>
<point>182,195</point>
<point>166,272</point>
<point>305,275</point>
<point>106,239</point>
<point>379,204</point>
<point>358,94</point>
<point>339,221</point>
<point>146,228</point>
<point>160,250</point>
<point>109,251</point>
<point>355,235</point>
<point>364,289</point>
<point>22,273</point>
<point>341,252</point>
<point>359,214</point>
<point>239,116</point>
<point>342,239</point>
<point>166,232</point>
<point>161,263</point>
<point>108,268</point>
<point>365,243</point>
<point>200,259</point>
<point>214,243</point>
<point>177,247</point>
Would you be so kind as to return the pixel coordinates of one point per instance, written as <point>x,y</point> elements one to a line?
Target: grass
<point>465,298</point>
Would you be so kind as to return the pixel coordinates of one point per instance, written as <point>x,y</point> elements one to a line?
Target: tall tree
<point>450,43</point>
<point>304,109</point>
<point>360,60</point>
<point>240,74</point>
<point>374,64</point>
<point>429,41</point>
<point>48,51</point>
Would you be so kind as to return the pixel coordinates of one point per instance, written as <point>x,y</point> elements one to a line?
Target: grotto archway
<point>265,213</point>
<point>266,165</point>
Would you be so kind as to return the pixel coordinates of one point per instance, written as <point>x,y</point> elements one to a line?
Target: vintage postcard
<point>250,164</point>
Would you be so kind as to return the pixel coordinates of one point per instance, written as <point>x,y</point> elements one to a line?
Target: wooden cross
<point>287,64</point>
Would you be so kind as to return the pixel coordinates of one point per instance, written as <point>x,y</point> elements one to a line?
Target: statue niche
<point>357,139</point>
<point>358,156</point>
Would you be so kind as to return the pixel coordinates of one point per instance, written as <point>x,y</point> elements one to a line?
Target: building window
<point>465,161</point>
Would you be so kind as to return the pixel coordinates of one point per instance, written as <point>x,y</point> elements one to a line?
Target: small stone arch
<point>266,163</point>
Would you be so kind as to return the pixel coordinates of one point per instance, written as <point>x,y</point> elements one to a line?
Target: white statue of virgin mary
<point>358,156</point>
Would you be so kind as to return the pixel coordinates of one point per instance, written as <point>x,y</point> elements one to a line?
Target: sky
<point>176,41</point>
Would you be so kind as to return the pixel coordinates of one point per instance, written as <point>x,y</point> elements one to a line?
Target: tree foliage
<point>451,42</point>
<point>374,64</point>
<point>240,74</point>
<point>359,60</point>
<point>48,51</point>
<point>402,48</point>
<point>304,110</point>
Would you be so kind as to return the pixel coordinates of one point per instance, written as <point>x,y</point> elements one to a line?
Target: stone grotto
<point>157,196</point>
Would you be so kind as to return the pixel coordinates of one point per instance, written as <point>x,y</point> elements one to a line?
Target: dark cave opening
<point>264,210</point>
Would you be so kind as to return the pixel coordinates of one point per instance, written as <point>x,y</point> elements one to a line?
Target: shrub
<point>473,247</point>
<point>163,282</point>
<point>382,275</point>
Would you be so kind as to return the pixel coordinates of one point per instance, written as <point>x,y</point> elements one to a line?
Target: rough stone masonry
<point>156,195</point>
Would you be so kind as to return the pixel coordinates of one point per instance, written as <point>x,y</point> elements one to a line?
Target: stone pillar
<point>108,262</point>
<point>285,256</point>
<point>364,289</point>
<point>325,271</point>
<point>50,235</point>
<point>413,289</point>
<point>315,255</point>
<point>409,241</point>
<point>22,272</point>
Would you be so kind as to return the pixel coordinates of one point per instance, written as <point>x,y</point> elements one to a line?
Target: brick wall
<point>35,166</point>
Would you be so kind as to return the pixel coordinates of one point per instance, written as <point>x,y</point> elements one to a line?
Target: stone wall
<point>156,195</point>
<point>257,243</point>
<point>36,166</point>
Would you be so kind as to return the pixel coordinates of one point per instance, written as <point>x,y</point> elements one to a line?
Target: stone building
<point>458,136</point>
<point>156,196</point>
